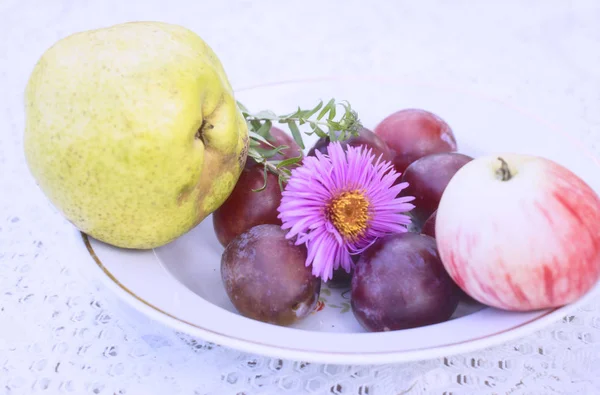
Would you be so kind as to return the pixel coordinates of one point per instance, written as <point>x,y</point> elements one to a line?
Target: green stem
<point>286,119</point>
<point>281,173</point>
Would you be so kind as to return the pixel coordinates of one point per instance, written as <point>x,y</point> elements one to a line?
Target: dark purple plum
<point>429,230</point>
<point>265,276</point>
<point>365,138</point>
<point>245,208</point>
<point>429,226</point>
<point>413,133</point>
<point>341,278</point>
<point>400,283</point>
<point>427,179</point>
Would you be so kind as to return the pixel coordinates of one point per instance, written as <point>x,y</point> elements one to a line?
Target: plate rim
<point>326,357</point>
<point>357,358</point>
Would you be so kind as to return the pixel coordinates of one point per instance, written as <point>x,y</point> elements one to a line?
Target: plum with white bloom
<point>519,232</point>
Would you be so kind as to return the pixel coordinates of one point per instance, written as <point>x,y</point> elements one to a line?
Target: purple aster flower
<point>340,203</point>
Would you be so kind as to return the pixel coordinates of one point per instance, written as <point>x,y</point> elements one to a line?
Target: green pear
<point>133,132</point>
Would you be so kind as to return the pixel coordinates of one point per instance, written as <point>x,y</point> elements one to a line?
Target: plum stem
<point>503,173</point>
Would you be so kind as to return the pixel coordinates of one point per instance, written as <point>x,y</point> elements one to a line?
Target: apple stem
<point>503,173</point>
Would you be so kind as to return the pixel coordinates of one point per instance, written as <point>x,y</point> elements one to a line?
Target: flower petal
<point>312,186</point>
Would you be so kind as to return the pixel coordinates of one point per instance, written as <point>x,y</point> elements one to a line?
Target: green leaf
<point>269,153</point>
<point>326,109</point>
<point>289,161</point>
<point>253,153</point>
<point>259,126</point>
<point>266,114</point>
<point>332,113</point>
<point>309,113</point>
<point>255,125</point>
<point>343,135</point>
<point>242,107</point>
<point>326,291</point>
<point>320,132</point>
<point>255,136</point>
<point>295,114</point>
<point>265,182</point>
<point>332,135</point>
<point>334,306</point>
<point>265,129</point>
<point>296,133</point>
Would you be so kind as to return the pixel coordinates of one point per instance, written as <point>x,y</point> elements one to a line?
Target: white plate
<point>180,286</point>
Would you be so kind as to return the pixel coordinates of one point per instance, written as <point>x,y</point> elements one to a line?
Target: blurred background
<point>541,56</point>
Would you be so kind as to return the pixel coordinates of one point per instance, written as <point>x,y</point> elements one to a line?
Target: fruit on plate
<point>133,132</point>
<point>519,232</point>
<point>429,225</point>
<point>278,138</point>
<point>365,138</point>
<point>427,178</point>
<point>265,276</point>
<point>246,207</point>
<point>400,283</point>
<point>413,133</point>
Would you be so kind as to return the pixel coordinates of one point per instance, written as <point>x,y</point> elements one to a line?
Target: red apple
<point>519,232</point>
<point>413,133</point>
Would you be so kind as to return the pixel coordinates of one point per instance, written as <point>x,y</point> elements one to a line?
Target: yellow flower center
<point>349,213</point>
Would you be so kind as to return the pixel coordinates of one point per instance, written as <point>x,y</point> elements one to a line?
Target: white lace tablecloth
<point>60,334</point>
